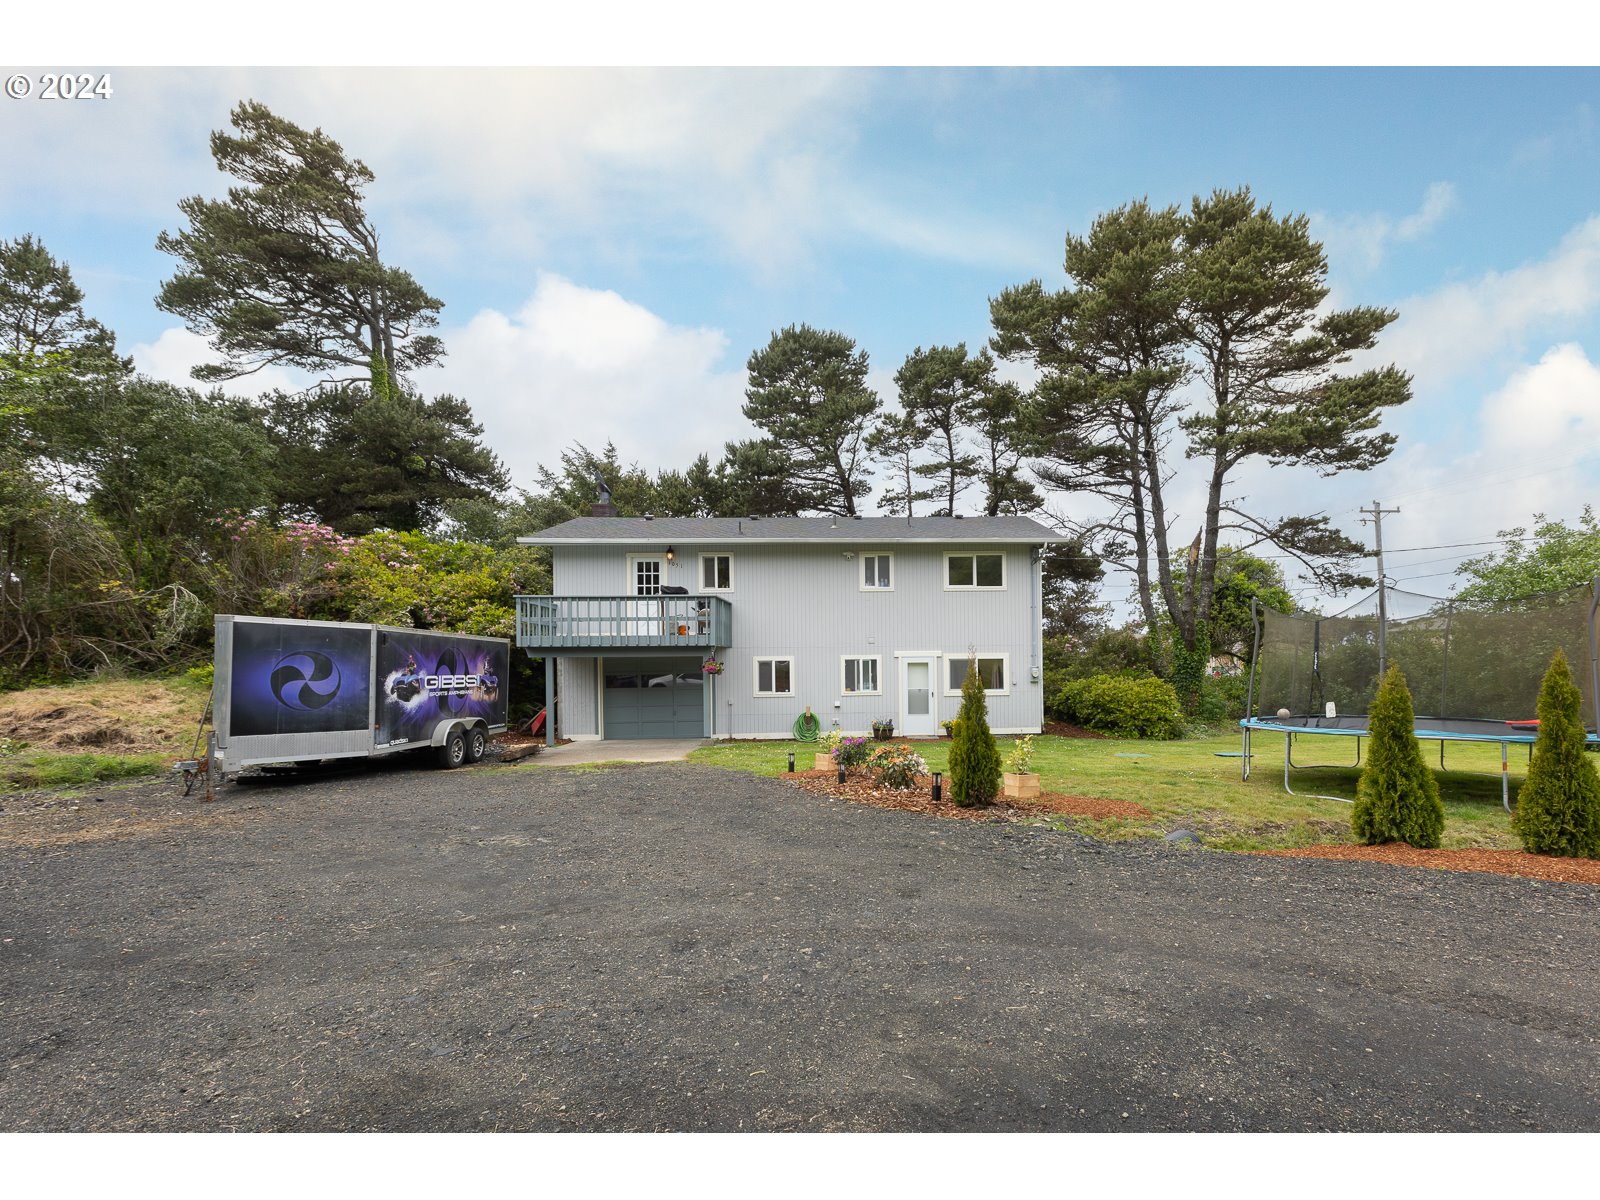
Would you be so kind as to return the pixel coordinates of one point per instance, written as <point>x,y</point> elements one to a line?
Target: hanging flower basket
<point>711,667</point>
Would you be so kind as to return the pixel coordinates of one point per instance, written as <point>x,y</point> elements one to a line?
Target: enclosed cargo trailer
<point>298,691</point>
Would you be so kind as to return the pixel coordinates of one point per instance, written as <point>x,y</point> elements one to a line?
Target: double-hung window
<point>993,669</point>
<point>862,675</point>
<point>877,572</point>
<point>974,571</point>
<point>716,572</point>
<point>774,676</point>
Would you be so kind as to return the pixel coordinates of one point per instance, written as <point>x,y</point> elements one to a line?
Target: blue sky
<point>612,244</point>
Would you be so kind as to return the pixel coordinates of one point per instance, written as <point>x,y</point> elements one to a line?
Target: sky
<point>611,244</point>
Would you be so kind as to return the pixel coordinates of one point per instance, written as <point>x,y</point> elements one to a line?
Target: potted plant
<point>1021,781</point>
<point>826,745</point>
<point>948,727</point>
<point>882,731</point>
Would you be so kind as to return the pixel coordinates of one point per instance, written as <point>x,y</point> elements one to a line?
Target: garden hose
<point>807,727</point>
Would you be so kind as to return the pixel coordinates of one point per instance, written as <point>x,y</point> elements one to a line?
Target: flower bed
<point>863,789</point>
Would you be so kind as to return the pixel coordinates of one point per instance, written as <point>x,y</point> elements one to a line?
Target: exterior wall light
<point>671,554</point>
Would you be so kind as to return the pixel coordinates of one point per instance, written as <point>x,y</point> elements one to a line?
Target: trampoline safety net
<point>1460,659</point>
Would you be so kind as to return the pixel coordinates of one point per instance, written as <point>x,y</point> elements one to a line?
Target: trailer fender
<point>443,730</point>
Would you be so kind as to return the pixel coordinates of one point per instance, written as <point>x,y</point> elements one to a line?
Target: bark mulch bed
<point>1490,862</point>
<point>862,789</point>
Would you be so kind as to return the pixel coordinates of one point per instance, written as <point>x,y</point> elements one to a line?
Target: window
<point>974,571</point>
<point>645,575</point>
<point>877,572</point>
<point>861,676</point>
<point>993,669</point>
<point>774,676</point>
<point>716,572</point>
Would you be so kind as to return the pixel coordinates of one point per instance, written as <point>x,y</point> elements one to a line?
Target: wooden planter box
<point>823,762</point>
<point>1021,787</point>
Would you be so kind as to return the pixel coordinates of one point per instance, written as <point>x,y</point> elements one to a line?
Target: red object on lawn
<point>536,726</point>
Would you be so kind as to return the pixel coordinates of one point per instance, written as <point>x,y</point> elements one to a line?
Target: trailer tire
<point>454,750</point>
<point>477,744</point>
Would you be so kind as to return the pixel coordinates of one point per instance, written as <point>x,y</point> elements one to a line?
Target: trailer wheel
<point>454,751</point>
<point>477,743</point>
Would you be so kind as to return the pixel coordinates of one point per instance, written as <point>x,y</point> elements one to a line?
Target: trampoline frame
<point>1420,731</point>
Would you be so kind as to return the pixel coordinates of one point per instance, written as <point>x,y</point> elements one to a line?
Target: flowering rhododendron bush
<point>303,569</point>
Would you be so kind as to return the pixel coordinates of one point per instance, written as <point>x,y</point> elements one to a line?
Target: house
<point>856,619</point>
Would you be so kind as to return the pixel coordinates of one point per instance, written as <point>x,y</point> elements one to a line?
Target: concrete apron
<point>621,750</point>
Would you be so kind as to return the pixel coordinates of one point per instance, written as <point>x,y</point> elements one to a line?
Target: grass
<point>154,719</point>
<point>1186,785</point>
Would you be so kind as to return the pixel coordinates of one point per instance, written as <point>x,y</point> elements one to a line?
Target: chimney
<point>604,508</point>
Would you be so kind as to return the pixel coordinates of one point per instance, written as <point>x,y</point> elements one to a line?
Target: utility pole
<point>1376,513</point>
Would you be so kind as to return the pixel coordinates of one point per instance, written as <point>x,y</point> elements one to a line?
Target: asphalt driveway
<point>678,947</point>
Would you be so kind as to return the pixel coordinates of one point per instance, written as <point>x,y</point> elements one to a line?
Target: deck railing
<point>561,622</point>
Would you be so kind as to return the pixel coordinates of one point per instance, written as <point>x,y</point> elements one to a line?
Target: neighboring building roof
<point>753,530</point>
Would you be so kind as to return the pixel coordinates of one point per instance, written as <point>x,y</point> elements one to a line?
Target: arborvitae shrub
<point>1397,798</point>
<point>1558,808</point>
<point>974,757</point>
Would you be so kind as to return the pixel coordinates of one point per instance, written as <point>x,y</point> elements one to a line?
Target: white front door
<point>919,707</point>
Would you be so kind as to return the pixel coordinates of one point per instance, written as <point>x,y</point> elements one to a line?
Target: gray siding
<point>577,701</point>
<point>804,601</point>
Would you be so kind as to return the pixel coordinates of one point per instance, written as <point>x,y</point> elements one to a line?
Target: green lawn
<point>1185,785</point>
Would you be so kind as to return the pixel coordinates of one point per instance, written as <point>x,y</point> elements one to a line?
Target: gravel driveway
<point>680,947</point>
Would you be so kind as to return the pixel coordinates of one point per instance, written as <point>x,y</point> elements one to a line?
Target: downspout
<point>1036,641</point>
<point>1594,653</point>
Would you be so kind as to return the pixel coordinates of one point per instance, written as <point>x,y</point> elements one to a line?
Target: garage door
<point>654,698</point>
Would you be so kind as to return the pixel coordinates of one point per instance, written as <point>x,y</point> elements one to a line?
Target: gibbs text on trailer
<point>298,691</point>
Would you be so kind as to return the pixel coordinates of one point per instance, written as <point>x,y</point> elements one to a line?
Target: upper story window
<point>973,571</point>
<point>716,572</point>
<point>877,572</point>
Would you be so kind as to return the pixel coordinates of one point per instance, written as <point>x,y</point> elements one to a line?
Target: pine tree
<point>1558,808</point>
<point>974,757</point>
<point>1397,798</point>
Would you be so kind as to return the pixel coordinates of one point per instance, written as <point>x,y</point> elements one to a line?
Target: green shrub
<point>974,757</point>
<point>852,752</point>
<point>1397,797</point>
<point>1122,706</point>
<point>898,766</point>
<point>1558,808</point>
<point>1222,699</point>
<point>204,675</point>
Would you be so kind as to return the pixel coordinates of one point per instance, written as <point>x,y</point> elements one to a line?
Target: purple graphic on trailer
<point>426,678</point>
<point>298,678</point>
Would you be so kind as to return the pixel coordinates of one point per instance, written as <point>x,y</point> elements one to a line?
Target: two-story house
<point>858,619</point>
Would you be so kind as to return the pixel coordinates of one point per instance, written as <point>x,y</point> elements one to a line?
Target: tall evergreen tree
<point>1002,432</point>
<point>893,444</point>
<point>1397,797</point>
<point>287,269</point>
<point>1230,296</point>
<point>1558,807</point>
<point>940,389</point>
<point>361,462</point>
<point>808,393</point>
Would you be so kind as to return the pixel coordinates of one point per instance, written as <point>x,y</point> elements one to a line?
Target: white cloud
<point>580,364</point>
<point>1461,325</point>
<point>173,355</point>
<point>1360,242</point>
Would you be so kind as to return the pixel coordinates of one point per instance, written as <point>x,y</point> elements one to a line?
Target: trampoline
<point>1478,665</point>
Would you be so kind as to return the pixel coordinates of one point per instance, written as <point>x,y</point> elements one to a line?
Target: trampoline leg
<point>1245,757</point>
<point>1358,751</point>
<point>1290,790</point>
<point>1505,778</point>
